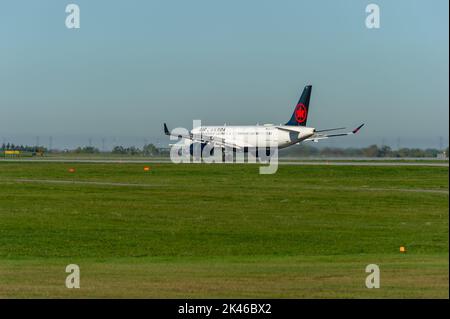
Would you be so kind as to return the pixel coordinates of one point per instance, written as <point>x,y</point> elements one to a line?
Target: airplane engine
<point>196,149</point>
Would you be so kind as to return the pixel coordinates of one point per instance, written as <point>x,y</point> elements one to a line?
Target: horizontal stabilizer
<point>331,129</point>
<point>317,136</point>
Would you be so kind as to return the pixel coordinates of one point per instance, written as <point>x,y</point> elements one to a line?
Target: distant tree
<point>431,152</point>
<point>118,150</point>
<point>86,150</point>
<point>150,150</point>
<point>384,151</point>
<point>133,150</point>
<point>371,151</point>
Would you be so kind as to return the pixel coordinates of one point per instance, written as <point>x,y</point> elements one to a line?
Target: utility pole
<point>50,143</point>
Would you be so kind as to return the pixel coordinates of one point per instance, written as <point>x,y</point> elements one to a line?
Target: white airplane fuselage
<point>257,136</point>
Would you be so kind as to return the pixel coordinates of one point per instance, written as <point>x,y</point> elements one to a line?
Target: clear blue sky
<point>135,64</point>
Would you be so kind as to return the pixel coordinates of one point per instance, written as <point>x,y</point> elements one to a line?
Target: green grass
<point>223,230</point>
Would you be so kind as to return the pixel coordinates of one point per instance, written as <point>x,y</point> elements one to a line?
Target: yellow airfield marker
<point>402,249</point>
<point>146,168</point>
<point>71,170</point>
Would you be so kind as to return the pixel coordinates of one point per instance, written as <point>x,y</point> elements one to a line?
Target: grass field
<point>223,230</point>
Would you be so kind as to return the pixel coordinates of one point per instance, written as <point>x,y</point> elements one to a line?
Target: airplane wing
<point>319,136</point>
<point>216,141</point>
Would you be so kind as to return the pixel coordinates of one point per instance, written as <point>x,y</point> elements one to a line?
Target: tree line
<point>146,150</point>
<point>370,151</point>
<point>297,151</point>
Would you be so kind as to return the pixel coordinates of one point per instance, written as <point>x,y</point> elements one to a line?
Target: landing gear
<point>228,155</point>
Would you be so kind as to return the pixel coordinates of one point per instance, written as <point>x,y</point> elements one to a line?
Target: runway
<point>145,185</point>
<point>366,163</point>
<point>281,162</point>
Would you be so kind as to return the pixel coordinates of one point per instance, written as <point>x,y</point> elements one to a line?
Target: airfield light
<point>146,168</point>
<point>71,170</point>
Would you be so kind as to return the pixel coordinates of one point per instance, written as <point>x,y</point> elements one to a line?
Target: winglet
<point>357,129</point>
<point>166,130</point>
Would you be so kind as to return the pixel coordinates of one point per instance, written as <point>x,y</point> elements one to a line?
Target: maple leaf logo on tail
<point>300,115</point>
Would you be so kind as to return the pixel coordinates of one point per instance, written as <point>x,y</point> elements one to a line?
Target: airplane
<point>251,137</point>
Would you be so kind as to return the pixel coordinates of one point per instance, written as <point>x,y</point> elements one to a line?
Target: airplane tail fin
<point>300,114</point>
